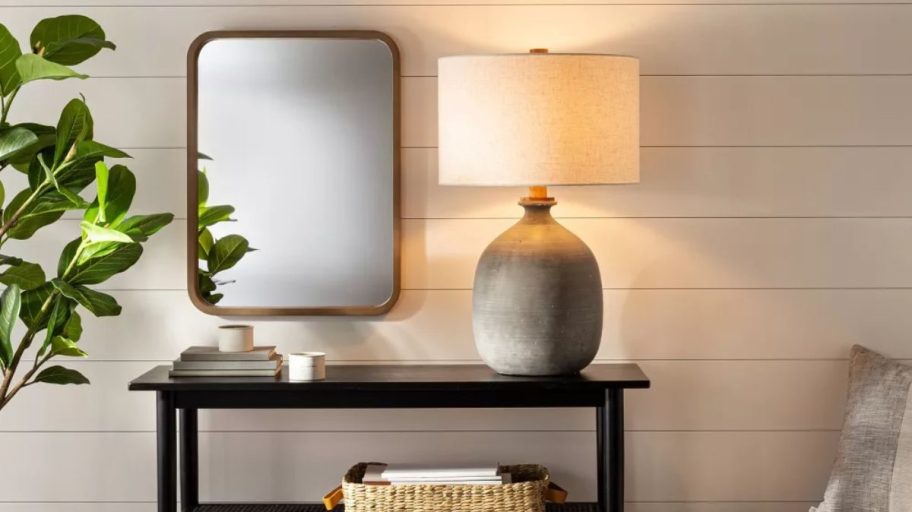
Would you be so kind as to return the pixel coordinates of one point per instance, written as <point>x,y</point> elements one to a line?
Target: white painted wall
<point>772,230</point>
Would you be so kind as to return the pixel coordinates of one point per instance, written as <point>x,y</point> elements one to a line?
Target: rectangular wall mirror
<point>293,173</point>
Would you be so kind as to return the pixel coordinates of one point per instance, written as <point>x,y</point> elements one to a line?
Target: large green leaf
<point>141,227</point>
<point>60,375</point>
<point>62,346</point>
<point>101,268</point>
<point>226,252</point>
<point>214,214</point>
<point>100,241</point>
<point>14,140</point>
<point>32,300</point>
<point>75,125</point>
<point>25,275</point>
<point>119,192</point>
<point>31,67</point>
<point>9,53</point>
<point>93,234</point>
<point>10,304</point>
<point>44,210</point>
<point>69,39</point>
<point>93,149</point>
<point>100,304</point>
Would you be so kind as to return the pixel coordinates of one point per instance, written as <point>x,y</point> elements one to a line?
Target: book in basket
<point>399,474</point>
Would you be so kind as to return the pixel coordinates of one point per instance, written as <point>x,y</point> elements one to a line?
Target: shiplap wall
<point>772,229</point>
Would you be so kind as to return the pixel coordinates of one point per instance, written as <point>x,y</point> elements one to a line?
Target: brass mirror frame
<point>193,166</point>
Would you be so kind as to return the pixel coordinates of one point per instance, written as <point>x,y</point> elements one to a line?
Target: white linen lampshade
<point>538,119</point>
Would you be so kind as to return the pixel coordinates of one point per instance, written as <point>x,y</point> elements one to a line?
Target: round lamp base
<point>537,299</point>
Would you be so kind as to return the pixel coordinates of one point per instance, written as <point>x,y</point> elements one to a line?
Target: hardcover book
<point>213,354</point>
<point>225,373</point>
<point>269,364</point>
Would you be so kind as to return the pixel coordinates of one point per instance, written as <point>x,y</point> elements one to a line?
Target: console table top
<point>471,377</point>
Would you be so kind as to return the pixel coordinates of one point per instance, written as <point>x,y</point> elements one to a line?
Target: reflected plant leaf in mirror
<point>215,254</point>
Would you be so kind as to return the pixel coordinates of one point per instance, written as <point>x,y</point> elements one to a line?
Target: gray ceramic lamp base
<point>537,300</point>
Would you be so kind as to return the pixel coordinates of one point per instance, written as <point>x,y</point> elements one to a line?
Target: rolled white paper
<point>303,366</point>
<point>235,338</point>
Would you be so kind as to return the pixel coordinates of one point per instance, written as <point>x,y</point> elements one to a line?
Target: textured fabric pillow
<point>873,469</point>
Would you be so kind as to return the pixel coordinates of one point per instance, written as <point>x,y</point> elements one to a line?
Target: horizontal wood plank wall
<point>770,232</point>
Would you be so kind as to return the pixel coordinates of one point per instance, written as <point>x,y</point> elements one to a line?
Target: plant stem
<point>7,104</point>
<point>20,350</point>
<point>13,366</point>
<point>24,381</point>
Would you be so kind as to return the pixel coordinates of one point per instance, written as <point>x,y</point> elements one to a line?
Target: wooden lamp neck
<point>538,197</point>
<point>538,192</point>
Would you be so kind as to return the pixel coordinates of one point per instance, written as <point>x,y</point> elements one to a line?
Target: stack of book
<point>398,474</point>
<point>210,362</point>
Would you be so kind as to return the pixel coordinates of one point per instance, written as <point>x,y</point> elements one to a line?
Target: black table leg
<point>609,423</point>
<point>189,456</point>
<point>167,452</point>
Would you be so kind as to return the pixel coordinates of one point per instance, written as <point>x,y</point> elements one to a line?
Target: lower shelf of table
<point>265,507</point>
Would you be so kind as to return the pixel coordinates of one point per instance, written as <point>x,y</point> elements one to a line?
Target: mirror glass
<point>295,164</point>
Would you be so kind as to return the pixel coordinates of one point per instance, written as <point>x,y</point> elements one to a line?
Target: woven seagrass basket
<point>530,489</point>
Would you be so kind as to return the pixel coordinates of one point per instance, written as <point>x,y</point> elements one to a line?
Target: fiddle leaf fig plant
<point>217,254</point>
<point>40,309</point>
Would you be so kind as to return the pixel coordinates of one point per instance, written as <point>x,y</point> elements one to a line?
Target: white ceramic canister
<point>304,366</point>
<point>235,338</point>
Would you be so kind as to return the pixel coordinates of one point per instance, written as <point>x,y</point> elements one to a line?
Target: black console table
<point>377,387</point>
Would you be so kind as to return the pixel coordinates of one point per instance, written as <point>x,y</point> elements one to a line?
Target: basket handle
<point>333,498</point>
<point>555,493</point>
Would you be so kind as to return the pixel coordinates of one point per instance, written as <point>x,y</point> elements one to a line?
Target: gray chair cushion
<point>873,468</point>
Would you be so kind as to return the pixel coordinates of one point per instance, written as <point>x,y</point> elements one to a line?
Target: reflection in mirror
<point>294,173</point>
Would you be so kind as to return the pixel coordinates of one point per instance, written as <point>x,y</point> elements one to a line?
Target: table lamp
<point>535,120</point>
